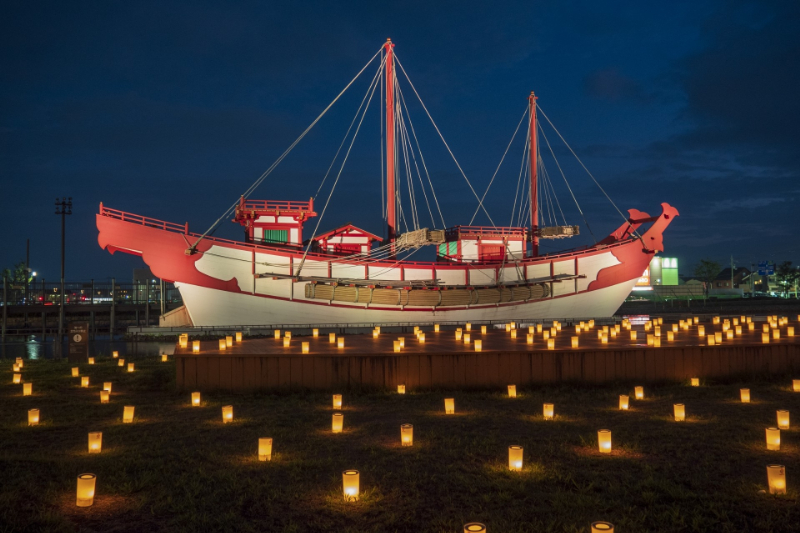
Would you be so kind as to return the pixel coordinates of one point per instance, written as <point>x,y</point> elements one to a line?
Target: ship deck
<point>443,362</point>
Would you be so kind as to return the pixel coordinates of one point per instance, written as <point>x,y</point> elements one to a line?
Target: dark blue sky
<point>171,110</point>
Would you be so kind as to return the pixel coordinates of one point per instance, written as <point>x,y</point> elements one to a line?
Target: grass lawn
<point>179,468</point>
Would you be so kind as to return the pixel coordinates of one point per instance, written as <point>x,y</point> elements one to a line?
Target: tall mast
<point>534,168</point>
<point>391,202</point>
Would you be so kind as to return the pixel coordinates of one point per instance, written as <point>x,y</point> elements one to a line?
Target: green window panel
<point>279,236</point>
<point>448,248</point>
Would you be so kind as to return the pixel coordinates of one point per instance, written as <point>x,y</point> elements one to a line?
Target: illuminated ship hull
<point>226,282</point>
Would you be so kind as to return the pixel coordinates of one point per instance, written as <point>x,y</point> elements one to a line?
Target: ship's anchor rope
<point>249,191</point>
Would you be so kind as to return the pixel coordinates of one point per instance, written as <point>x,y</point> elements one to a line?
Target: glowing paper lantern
<point>651,340</point>
<point>107,386</point>
<point>75,371</point>
<point>33,417</point>
<point>467,338</point>
<point>508,328</point>
<point>796,385</point>
<point>551,344</point>
<point>127,414</point>
<point>183,342</point>
<point>305,347</point>
<point>195,346</point>
<point>783,419</point>
<point>130,367</point>
<point>776,334</point>
<point>483,330</point>
<point>277,333</point>
<point>623,402</point>
<point>337,401</point>
<point>604,440</point>
<point>340,342</point>
<point>331,338</point>
<point>744,394</point>
<point>337,422</point>
<point>375,334</point>
<point>547,411</point>
<point>602,527</point>
<point>474,527</point>
<point>85,382</point>
<point>515,458</point>
<point>350,484</point>
<point>776,479</point>
<point>164,358</point>
<point>227,414</point>
<point>121,362</point>
<point>449,406</point>
<point>701,331</point>
<point>751,326</point>
<point>657,342</point>
<point>104,395</point>
<point>670,336</point>
<point>478,345</point>
<point>539,328</point>
<point>638,392</point>
<point>421,338</point>
<point>512,391</point>
<point>738,330</point>
<point>287,342</point>
<point>195,399</point>
<point>574,342</point>
<point>239,335</point>
<point>633,335</point>
<point>711,340</point>
<point>396,346</point>
<point>264,449</point>
<point>228,341</point>
<point>401,389</point>
<point>17,378</point>
<point>718,337</point>
<point>91,360</point>
<point>773,439</point>
<point>15,367</point>
<point>790,331</point>
<point>680,412</point>
<point>222,345</point>
<point>406,435</point>
<point>546,335</point>
<point>20,362</point>
<point>402,341</point>
<point>695,382</point>
<point>513,334</point>
<point>530,338</point>
<point>715,320</point>
<point>27,389</point>
<point>95,441</point>
<point>436,328</point>
<point>85,493</point>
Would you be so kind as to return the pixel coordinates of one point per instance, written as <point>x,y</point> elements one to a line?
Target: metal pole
<point>113,308</point>
<point>27,270</point>
<point>63,208</point>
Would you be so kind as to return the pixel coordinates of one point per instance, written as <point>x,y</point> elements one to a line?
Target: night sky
<point>171,110</point>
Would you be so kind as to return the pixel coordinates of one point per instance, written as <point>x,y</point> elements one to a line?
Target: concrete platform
<point>444,363</point>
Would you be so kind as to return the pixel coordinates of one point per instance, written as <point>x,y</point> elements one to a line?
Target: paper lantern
<point>130,367</point>
<point>85,382</point>
<point>715,320</point>
<point>773,439</point>
<point>468,326</point>
<point>121,362</point>
<point>402,341</point>
<point>95,441</point>
<point>577,330</point>
<point>15,367</point>
<point>195,346</point>
<point>633,335</point>
<point>337,422</point>
<point>340,342</point>
<point>546,335</point>
<point>574,342</point>
<point>474,527</point>
<point>195,399</point>
<point>421,338</point>
<point>75,371</point>
<point>718,337</point>
<point>239,336</point>
<point>639,392</point>
<point>483,330</point>
<point>751,326</point>
<point>512,391</point>
<point>406,435</point>
<point>651,340</point>
<point>27,389</point>
<point>783,419</point>
<point>305,347</point>
<point>670,336</point>
<point>796,385</point>
<point>478,345</point>
<point>612,333</point>
<point>738,330</point>
<point>375,334</point>
<point>107,386</point>
<point>91,360</point>
<point>401,389</point>
<point>657,331</point>
<point>539,328</point>
<point>467,338</point>
<point>164,358</point>
<point>227,414</point>
<point>287,333</point>
<point>33,417</point>
<point>396,346</point>
<point>604,440</point>
<point>127,414</point>
<point>657,342</point>
<point>600,334</point>
<point>551,344</point>
<point>104,395</point>
<point>679,411</point>
<point>20,362</point>
<point>790,331</point>
<point>17,378</point>
<point>277,333</point>
<point>508,328</point>
<point>85,493</point>
<point>711,340</point>
<point>222,345</point>
<point>350,484</point>
<point>602,527</point>
<point>183,342</point>
<point>776,479</point>
<point>695,382</point>
<point>287,342</point>
<point>337,401</point>
<point>548,411</point>
<point>744,394</point>
<point>264,449</point>
<point>513,334</point>
<point>228,341</point>
<point>695,319</point>
<point>701,331</point>
<point>449,406</point>
<point>436,328</point>
<point>515,458</point>
<point>776,334</point>
<point>530,338</point>
<point>623,402</point>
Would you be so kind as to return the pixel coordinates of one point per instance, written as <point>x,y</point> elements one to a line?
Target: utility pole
<point>27,273</point>
<point>732,267</point>
<point>63,208</point>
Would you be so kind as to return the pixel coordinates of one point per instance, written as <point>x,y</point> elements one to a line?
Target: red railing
<point>144,221</point>
<point>277,205</point>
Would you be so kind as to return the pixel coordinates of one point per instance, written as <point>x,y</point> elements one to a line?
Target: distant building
<point>660,271</point>
<point>723,280</point>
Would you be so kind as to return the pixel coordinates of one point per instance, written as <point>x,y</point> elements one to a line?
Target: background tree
<point>787,277</point>
<point>707,270</point>
<point>15,275</point>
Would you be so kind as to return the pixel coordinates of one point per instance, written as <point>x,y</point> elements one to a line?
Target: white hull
<point>213,307</point>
